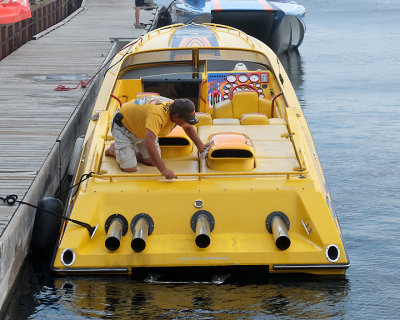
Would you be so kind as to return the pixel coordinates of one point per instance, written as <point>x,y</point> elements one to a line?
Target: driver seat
<point>242,103</point>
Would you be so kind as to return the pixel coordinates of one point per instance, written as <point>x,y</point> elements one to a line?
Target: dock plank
<point>33,116</point>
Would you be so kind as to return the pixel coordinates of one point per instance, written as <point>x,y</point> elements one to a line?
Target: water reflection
<point>293,65</point>
<point>120,297</point>
<point>123,298</point>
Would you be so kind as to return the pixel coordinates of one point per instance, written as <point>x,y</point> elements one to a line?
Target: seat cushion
<point>253,118</point>
<point>244,102</point>
<point>204,119</point>
<point>264,106</point>
<point>225,121</point>
<point>223,109</point>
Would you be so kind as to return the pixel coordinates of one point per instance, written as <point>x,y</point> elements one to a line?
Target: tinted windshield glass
<point>186,55</point>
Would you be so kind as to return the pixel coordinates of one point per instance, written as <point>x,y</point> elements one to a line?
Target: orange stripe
<point>217,5</point>
<point>265,5</point>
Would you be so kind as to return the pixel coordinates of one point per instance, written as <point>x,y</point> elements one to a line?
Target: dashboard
<point>222,85</point>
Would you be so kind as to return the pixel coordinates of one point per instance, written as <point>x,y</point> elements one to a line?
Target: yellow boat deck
<point>274,152</point>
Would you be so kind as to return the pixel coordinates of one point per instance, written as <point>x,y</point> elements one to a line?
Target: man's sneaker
<point>140,26</point>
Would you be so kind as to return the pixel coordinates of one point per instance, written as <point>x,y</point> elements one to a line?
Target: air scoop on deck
<point>176,144</point>
<point>230,151</point>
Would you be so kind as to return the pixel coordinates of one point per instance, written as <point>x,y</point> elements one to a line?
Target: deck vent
<point>230,151</point>
<point>173,141</point>
<point>175,145</point>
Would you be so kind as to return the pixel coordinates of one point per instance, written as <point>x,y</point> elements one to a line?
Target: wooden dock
<point>38,125</point>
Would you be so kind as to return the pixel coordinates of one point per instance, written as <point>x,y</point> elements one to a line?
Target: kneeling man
<point>138,124</point>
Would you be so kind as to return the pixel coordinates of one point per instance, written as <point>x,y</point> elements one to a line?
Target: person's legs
<point>123,149</point>
<point>142,155</point>
<point>139,4</point>
<point>137,15</point>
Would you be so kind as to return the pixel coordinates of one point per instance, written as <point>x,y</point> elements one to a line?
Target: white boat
<point>278,23</point>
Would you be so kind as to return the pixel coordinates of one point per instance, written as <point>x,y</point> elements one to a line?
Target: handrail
<point>273,103</point>
<point>301,173</point>
<point>157,32</point>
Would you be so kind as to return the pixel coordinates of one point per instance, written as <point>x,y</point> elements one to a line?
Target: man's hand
<point>192,134</point>
<point>149,143</point>
<point>168,174</point>
<point>204,146</point>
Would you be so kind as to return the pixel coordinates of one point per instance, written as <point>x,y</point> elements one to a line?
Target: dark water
<point>347,77</point>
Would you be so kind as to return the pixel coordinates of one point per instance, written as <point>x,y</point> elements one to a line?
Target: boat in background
<point>278,23</point>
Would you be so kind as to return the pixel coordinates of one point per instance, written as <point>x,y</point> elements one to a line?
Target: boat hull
<point>278,25</point>
<point>257,197</point>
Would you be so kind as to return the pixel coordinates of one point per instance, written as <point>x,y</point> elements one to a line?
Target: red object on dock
<point>12,11</point>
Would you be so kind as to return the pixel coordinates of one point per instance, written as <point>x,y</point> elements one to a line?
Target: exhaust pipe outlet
<point>202,223</point>
<point>116,227</point>
<point>68,257</point>
<point>278,224</point>
<point>142,225</point>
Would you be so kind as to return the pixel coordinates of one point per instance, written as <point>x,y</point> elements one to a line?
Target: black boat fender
<point>46,226</point>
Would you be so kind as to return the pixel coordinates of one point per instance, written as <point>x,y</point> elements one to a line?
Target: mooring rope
<point>13,198</point>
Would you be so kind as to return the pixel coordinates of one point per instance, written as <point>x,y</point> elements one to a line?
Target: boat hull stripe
<point>310,266</point>
<point>216,4</point>
<point>265,5</point>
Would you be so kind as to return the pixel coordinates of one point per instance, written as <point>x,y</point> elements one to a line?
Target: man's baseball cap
<point>185,110</point>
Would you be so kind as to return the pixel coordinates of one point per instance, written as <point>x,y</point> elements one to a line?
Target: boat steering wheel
<point>239,86</point>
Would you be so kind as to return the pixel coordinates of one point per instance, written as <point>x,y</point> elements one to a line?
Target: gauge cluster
<point>221,85</point>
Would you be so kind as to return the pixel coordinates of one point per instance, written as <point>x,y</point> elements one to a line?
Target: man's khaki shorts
<point>126,146</point>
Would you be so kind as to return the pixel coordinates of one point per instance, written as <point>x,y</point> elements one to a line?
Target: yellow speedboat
<point>256,197</point>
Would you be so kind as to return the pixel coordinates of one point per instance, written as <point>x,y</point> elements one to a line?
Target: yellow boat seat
<point>254,118</point>
<point>225,121</point>
<point>244,102</point>
<point>205,119</point>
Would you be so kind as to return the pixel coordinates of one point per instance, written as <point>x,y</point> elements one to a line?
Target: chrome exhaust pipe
<point>202,232</point>
<point>202,224</point>
<point>116,226</point>
<point>142,226</point>
<point>278,225</point>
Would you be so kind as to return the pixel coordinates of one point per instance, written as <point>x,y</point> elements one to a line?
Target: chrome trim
<point>62,257</point>
<point>95,229</point>
<point>310,266</point>
<point>327,255</point>
<point>198,203</point>
<point>305,227</point>
<point>71,270</point>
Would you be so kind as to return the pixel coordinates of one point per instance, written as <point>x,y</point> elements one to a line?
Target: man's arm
<point>192,134</point>
<point>149,144</point>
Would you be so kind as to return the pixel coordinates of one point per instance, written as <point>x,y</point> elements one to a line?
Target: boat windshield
<point>182,55</point>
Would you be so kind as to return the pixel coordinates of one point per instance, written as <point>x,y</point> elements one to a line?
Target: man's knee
<point>132,169</point>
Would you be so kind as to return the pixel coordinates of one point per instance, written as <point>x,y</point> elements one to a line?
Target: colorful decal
<point>216,5</point>
<point>194,36</point>
<point>153,100</point>
<point>221,84</point>
<point>220,5</point>
<point>191,42</point>
<point>265,5</point>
